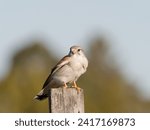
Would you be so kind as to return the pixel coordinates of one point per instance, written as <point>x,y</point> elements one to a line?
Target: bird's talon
<point>78,89</point>
<point>65,85</point>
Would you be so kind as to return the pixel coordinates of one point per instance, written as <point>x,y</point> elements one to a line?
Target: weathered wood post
<point>66,100</point>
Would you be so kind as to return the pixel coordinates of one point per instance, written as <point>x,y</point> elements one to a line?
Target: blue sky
<point>67,22</point>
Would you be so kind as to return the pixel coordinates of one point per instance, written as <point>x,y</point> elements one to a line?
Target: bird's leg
<point>75,86</point>
<point>65,85</point>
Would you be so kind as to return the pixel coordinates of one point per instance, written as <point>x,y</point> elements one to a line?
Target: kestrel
<point>66,71</point>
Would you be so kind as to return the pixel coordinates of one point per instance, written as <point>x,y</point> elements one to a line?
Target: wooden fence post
<point>66,100</point>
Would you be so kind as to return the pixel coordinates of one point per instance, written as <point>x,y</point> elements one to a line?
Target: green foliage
<point>105,88</point>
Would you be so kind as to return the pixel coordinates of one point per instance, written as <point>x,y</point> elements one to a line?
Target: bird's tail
<point>42,95</point>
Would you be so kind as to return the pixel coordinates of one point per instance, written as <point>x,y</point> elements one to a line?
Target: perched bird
<point>66,71</point>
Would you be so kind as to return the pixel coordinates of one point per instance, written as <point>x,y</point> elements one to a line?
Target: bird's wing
<point>65,60</point>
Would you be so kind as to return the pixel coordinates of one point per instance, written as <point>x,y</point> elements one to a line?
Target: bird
<point>65,72</point>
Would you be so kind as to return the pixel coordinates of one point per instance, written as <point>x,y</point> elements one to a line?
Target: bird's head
<point>75,50</point>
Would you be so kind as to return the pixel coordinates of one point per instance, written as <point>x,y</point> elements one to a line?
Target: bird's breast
<point>79,64</point>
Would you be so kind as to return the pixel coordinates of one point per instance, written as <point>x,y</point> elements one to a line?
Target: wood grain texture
<point>66,100</point>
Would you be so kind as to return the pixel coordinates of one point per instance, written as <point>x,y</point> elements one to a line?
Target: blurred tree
<point>30,68</point>
<point>106,90</point>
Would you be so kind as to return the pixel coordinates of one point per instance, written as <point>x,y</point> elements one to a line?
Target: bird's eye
<point>79,50</point>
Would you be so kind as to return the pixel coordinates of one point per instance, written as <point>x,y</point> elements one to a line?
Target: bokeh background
<point>35,34</point>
